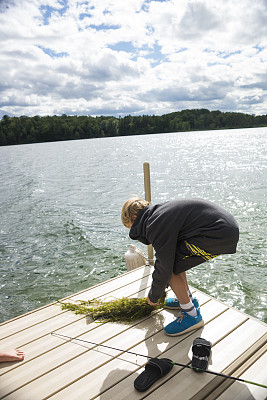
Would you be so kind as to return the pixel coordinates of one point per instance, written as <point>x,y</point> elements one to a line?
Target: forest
<point>37,129</point>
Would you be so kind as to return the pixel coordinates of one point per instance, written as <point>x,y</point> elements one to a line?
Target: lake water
<point>60,211</point>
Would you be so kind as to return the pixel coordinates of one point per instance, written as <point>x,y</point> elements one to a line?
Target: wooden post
<point>148,198</point>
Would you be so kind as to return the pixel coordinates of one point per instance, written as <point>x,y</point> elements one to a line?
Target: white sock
<point>189,308</point>
<point>190,295</point>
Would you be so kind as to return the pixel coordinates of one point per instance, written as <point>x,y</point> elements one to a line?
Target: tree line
<point>21,130</point>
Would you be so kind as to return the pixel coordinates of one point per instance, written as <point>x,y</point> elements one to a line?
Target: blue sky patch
<point>226,54</point>
<point>104,27</point>
<point>84,15</point>
<point>47,11</point>
<point>123,46</point>
<point>154,54</point>
<point>145,5</point>
<point>52,53</point>
<point>259,48</point>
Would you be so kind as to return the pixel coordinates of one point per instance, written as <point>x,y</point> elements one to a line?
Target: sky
<point>138,57</point>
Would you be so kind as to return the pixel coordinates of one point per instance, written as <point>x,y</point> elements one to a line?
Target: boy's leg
<point>188,290</point>
<point>190,318</point>
<point>179,286</point>
<point>173,303</point>
<point>183,275</point>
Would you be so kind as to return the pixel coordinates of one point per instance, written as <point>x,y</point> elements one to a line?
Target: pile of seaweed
<point>118,310</point>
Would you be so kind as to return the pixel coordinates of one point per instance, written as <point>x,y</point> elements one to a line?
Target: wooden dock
<point>61,369</point>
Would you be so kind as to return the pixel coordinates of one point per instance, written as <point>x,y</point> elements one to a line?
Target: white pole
<point>148,198</point>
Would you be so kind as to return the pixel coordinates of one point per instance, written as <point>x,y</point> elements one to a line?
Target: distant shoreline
<point>24,130</point>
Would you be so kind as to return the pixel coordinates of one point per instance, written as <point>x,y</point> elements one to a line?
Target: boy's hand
<point>150,302</point>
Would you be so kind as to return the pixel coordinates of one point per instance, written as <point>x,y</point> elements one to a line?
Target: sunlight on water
<point>60,211</point>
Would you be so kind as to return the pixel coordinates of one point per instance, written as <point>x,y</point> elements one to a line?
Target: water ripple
<point>60,211</point>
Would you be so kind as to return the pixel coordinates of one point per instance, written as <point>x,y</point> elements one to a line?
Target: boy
<point>184,233</point>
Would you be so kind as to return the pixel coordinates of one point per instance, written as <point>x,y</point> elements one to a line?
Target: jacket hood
<point>138,229</point>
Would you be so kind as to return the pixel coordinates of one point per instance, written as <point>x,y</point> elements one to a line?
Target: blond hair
<point>131,208</point>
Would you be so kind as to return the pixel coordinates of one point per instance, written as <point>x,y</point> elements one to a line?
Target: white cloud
<point>116,57</point>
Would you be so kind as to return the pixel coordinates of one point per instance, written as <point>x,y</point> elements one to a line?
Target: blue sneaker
<point>173,304</point>
<point>184,323</point>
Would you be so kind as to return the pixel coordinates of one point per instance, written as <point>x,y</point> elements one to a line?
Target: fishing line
<point>174,363</point>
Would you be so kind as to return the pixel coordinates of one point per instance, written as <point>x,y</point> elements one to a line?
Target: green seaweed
<point>118,310</point>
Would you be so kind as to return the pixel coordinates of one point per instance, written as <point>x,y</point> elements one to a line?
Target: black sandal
<point>201,351</point>
<point>155,369</point>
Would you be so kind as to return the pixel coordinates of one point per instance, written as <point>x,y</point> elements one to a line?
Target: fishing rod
<point>174,363</point>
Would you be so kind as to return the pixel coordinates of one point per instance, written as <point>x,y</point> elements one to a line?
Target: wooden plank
<point>252,355</point>
<point>101,380</point>
<point>139,276</point>
<point>69,372</point>
<point>244,391</point>
<point>82,365</point>
<point>44,313</point>
<point>43,344</point>
<point>39,346</point>
<point>28,335</point>
<point>64,352</point>
<point>150,341</point>
<point>46,384</point>
<point>39,331</point>
<point>28,320</point>
<point>46,343</point>
<point>224,353</point>
<point>180,351</point>
<point>130,289</point>
<point>56,369</point>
